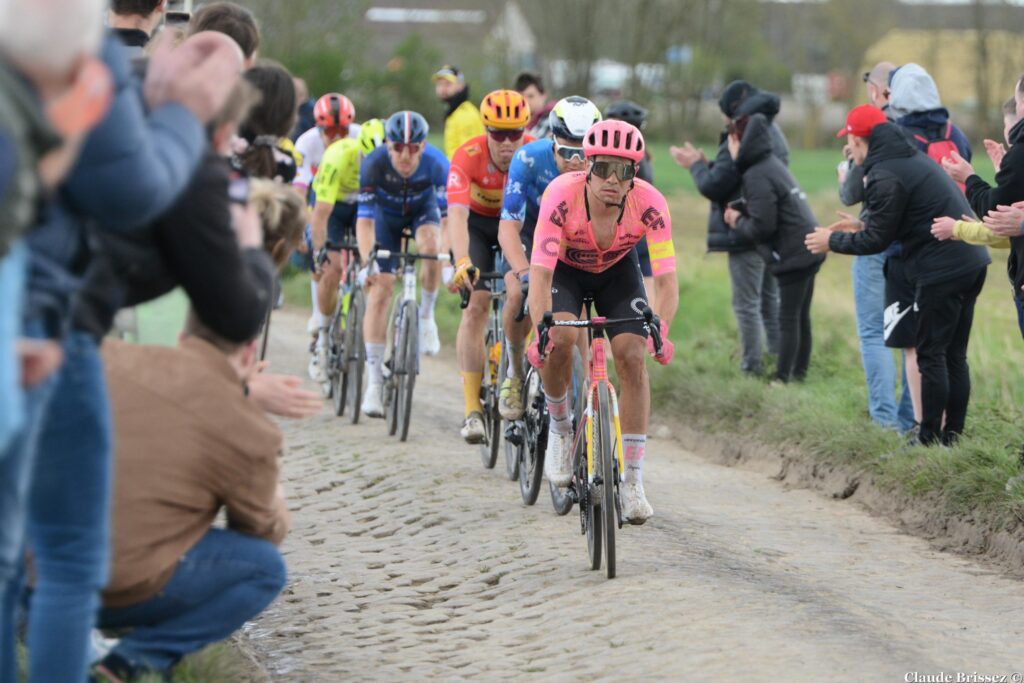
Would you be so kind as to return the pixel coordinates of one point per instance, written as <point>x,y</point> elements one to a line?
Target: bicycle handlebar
<point>599,323</point>
<point>409,256</point>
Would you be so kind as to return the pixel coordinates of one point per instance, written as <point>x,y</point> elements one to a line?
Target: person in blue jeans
<point>132,166</point>
<point>868,273</point>
<point>189,444</point>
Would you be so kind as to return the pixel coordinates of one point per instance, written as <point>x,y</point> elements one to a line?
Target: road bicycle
<point>346,353</point>
<point>597,441</point>
<point>402,354</point>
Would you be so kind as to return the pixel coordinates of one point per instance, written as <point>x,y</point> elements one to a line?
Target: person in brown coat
<point>189,444</point>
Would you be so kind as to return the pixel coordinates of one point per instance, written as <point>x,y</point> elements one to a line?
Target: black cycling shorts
<point>341,226</point>
<point>900,319</point>
<point>483,244</point>
<point>618,293</point>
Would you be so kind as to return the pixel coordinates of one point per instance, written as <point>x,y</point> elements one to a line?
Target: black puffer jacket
<point>777,215</point>
<point>1009,189</point>
<point>719,180</point>
<point>904,191</point>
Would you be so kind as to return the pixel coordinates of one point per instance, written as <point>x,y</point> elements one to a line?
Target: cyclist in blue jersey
<point>402,185</point>
<point>533,167</point>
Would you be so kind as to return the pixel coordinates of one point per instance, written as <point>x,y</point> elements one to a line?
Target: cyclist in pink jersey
<point>586,229</point>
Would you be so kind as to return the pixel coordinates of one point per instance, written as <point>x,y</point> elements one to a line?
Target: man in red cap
<point>904,190</point>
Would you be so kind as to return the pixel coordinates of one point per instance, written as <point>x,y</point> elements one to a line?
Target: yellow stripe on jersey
<point>660,250</point>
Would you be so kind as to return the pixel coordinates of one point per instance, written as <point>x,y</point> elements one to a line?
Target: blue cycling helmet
<point>406,126</point>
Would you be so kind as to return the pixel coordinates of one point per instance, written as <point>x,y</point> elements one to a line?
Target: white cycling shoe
<point>320,363</point>
<point>373,406</point>
<point>558,458</point>
<point>635,508</point>
<point>430,343</point>
<point>473,428</point>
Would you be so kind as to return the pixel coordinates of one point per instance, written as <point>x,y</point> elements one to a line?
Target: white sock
<point>558,411</point>
<point>515,359</point>
<point>318,317</point>
<point>427,301</point>
<point>633,448</point>
<point>374,358</point>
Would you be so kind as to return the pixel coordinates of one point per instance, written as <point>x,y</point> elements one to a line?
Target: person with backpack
<point>903,193</point>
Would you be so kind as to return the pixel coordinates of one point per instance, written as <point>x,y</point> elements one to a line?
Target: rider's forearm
<point>512,246</point>
<point>365,237</point>
<point>540,290</point>
<point>458,231</point>
<point>666,301</point>
<point>318,223</point>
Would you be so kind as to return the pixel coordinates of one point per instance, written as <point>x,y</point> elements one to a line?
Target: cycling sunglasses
<point>625,170</point>
<point>569,153</point>
<point>506,135</point>
<point>400,147</point>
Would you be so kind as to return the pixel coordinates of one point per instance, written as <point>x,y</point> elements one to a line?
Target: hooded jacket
<point>915,105</point>
<point>719,180</point>
<point>904,191</point>
<point>1009,188</point>
<point>777,216</point>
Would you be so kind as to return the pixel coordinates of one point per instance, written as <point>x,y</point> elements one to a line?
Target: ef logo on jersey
<point>652,219</point>
<point>559,214</point>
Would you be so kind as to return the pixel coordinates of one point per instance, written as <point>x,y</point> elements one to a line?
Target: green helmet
<point>371,135</point>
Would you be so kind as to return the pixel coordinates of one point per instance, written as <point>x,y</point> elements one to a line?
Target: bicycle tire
<point>590,506</point>
<point>336,361</point>
<point>511,450</point>
<point>605,447</point>
<point>391,362</point>
<point>534,436</point>
<point>410,366</point>
<point>489,409</point>
<point>355,362</point>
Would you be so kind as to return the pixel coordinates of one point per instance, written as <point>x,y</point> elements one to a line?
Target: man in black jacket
<point>755,300</point>
<point>904,191</point>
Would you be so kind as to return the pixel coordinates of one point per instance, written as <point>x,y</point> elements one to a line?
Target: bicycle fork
<point>599,375</point>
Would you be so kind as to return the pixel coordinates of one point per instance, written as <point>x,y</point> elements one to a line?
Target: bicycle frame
<point>598,376</point>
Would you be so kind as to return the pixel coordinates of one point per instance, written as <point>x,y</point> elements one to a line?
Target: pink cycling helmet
<point>614,138</point>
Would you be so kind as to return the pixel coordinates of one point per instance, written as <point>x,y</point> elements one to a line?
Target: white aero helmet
<point>572,117</point>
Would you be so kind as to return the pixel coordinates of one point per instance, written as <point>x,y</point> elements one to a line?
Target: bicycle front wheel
<point>511,450</point>
<point>392,364</point>
<point>409,367</point>
<point>604,466</point>
<point>534,438</point>
<point>355,353</point>
<point>336,374</point>
<point>489,408</point>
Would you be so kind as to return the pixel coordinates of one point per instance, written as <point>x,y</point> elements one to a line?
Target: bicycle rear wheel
<point>410,365</point>
<point>604,465</point>
<point>355,350</point>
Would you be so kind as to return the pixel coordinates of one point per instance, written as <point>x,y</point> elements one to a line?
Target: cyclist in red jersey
<point>587,227</point>
<point>476,186</point>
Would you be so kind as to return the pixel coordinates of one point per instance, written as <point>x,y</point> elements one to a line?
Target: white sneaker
<point>321,364</point>
<point>558,458</point>
<point>510,398</point>
<point>372,404</point>
<point>635,508</point>
<point>430,343</point>
<point>473,428</point>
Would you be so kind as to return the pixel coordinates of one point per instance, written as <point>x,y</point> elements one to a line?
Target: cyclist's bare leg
<point>428,242</point>
<point>470,347</point>
<point>557,371</point>
<point>630,354</point>
<point>327,287</point>
<point>515,332</point>
<point>378,296</point>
